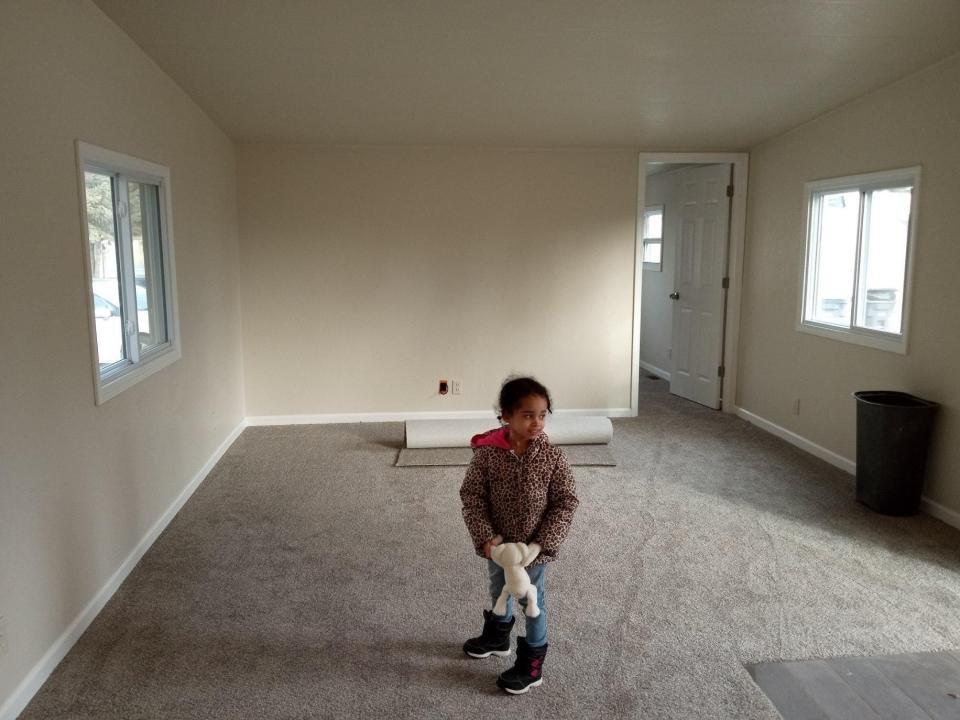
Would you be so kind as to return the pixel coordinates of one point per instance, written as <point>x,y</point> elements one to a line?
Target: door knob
<point>675,295</point>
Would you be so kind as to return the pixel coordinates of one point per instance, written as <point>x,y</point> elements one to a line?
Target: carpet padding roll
<point>563,430</point>
<point>577,455</point>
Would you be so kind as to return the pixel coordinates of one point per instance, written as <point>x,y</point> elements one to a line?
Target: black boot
<point>527,672</point>
<point>494,640</point>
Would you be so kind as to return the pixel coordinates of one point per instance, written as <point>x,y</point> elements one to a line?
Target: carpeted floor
<point>310,578</point>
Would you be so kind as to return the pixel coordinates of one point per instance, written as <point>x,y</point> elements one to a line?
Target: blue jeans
<point>536,627</point>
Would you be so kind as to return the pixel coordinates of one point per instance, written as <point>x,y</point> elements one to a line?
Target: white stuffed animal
<point>513,558</point>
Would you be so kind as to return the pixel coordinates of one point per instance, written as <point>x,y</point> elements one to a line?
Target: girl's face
<point>526,420</point>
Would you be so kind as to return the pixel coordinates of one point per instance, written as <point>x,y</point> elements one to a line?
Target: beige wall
<point>913,122</point>
<point>80,485</point>
<point>369,273</point>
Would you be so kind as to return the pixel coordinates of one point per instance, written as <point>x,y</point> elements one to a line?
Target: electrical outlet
<point>796,406</point>
<point>456,387</point>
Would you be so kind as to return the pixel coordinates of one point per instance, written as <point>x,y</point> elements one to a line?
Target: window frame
<point>649,209</point>
<point>866,182</point>
<point>127,373</point>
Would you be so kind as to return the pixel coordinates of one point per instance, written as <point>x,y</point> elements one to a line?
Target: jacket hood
<point>498,438</point>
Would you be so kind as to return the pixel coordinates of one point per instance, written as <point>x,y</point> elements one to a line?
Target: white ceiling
<point>653,74</point>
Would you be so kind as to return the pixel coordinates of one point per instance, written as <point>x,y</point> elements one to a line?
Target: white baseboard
<point>801,442</point>
<point>38,675</point>
<point>345,418</point>
<point>654,370</point>
<point>928,506</point>
<point>935,509</point>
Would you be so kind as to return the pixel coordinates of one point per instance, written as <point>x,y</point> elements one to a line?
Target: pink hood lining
<point>496,437</point>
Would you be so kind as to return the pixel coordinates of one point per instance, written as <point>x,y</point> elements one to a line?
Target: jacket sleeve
<point>562,502</point>
<point>476,513</point>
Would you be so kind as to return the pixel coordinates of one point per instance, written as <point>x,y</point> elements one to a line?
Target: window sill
<point>113,386</point>
<point>857,336</point>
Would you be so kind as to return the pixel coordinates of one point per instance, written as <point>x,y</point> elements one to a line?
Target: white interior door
<point>699,295</point>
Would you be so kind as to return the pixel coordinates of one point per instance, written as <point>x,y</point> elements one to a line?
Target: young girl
<point>518,488</point>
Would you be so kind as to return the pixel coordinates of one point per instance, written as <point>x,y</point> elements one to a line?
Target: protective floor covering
<point>921,686</point>
<point>310,578</point>
<point>425,457</point>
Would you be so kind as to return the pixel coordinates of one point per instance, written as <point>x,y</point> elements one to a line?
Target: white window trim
<point>654,266</point>
<point>856,335</point>
<point>157,358</point>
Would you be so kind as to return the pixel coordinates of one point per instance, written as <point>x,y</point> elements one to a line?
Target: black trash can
<point>893,436</point>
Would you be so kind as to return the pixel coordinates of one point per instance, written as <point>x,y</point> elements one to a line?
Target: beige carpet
<point>310,578</point>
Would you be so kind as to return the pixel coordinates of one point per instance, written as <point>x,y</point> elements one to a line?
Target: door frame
<point>735,250</point>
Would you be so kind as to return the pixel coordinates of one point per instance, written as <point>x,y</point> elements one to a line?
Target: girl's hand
<point>495,540</point>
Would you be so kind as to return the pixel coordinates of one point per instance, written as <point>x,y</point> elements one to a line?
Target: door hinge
<point>720,371</point>
<point>725,283</point>
<point>730,190</point>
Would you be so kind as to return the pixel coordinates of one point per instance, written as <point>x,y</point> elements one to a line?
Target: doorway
<point>689,259</point>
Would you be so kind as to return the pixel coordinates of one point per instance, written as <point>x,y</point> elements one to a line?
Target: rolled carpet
<point>563,430</point>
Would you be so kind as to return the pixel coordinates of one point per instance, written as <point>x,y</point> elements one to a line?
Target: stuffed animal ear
<point>530,553</point>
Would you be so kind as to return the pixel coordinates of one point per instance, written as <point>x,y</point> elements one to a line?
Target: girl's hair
<point>515,389</point>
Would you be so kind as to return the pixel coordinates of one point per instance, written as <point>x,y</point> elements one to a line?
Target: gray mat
<point>596,455</point>
<point>909,685</point>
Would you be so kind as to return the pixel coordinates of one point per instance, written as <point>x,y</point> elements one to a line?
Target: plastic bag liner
<point>893,437</point>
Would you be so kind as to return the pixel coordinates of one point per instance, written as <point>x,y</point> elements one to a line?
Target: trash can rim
<point>875,397</point>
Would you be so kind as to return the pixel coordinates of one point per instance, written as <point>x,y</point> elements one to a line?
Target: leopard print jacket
<point>530,498</point>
